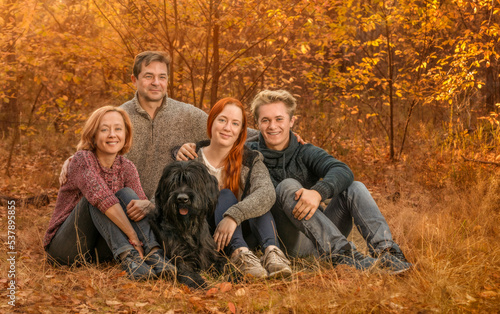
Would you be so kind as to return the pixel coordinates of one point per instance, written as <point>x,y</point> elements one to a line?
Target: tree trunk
<point>10,112</point>
<point>492,87</point>
<point>216,64</point>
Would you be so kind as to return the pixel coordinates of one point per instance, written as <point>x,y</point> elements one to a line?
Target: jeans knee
<point>357,187</point>
<point>127,191</point>
<point>287,186</point>
<point>226,199</point>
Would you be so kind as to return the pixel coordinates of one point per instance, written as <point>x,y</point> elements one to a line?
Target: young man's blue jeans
<point>262,230</point>
<point>89,234</point>
<point>327,230</point>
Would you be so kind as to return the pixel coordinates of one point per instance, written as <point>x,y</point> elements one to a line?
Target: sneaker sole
<point>284,273</point>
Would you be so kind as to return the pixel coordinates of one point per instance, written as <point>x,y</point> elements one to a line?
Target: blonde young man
<point>305,175</point>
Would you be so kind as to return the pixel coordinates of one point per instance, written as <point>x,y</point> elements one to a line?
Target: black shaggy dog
<point>186,195</point>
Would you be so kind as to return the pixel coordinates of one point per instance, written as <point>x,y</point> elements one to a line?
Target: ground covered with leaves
<point>443,212</point>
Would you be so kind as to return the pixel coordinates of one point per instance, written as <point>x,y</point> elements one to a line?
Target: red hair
<point>234,160</point>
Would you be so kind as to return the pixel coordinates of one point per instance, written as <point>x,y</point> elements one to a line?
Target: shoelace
<point>357,256</point>
<point>398,255</point>
<point>274,256</point>
<point>249,258</point>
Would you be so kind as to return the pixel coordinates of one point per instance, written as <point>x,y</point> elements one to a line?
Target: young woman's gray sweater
<point>256,194</point>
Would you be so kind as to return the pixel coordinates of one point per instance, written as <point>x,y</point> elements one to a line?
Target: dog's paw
<point>192,280</point>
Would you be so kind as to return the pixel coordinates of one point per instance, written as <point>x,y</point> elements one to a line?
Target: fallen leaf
<point>90,291</point>
<point>225,286</point>
<point>171,292</point>
<point>194,299</point>
<point>240,292</point>
<point>141,304</point>
<point>129,285</point>
<point>111,302</point>
<point>231,307</point>
<point>212,291</point>
<point>469,298</point>
<point>120,274</point>
<point>488,294</point>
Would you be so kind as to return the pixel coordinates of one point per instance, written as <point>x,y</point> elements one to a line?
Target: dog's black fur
<point>186,195</point>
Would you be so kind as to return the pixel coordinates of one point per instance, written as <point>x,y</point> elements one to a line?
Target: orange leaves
<point>221,287</point>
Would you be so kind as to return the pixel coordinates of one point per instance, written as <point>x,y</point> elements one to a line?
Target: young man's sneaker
<point>249,264</point>
<point>161,267</point>
<point>135,267</point>
<point>276,263</point>
<point>394,261</point>
<point>353,258</point>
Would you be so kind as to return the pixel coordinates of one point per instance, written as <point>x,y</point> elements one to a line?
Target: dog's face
<point>186,194</point>
<point>185,201</point>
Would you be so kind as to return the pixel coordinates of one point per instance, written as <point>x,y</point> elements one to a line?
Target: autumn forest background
<point>407,93</point>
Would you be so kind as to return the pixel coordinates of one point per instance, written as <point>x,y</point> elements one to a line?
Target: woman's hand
<point>186,152</point>
<point>307,205</point>
<point>224,232</point>
<point>299,139</point>
<point>138,209</point>
<point>117,215</point>
<point>63,176</point>
<point>134,240</point>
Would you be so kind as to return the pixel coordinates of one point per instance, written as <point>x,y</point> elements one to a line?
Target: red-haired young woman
<point>246,196</point>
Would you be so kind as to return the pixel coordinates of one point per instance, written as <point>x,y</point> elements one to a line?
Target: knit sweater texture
<point>174,124</point>
<point>256,194</point>
<point>88,178</point>
<point>312,166</point>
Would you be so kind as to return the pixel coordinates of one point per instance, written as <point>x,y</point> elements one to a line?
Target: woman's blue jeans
<point>88,234</point>
<point>258,231</point>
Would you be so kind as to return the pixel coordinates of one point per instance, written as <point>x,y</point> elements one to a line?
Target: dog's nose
<point>182,198</point>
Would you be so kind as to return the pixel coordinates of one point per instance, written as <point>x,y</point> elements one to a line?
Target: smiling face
<point>152,82</point>
<point>110,136</point>
<point>227,126</point>
<point>275,123</point>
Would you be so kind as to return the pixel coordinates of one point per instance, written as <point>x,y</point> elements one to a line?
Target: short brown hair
<point>146,57</point>
<point>90,128</point>
<point>266,97</point>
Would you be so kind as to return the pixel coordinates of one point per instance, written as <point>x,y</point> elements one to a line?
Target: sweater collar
<point>141,110</point>
<point>277,155</point>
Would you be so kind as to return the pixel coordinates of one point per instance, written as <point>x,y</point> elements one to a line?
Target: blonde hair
<point>87,140</point>
<point>266,97</point>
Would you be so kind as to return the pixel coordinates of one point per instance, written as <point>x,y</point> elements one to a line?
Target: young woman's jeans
<point>327,230</point>
<point>88,234</point>
<point>250,233</point>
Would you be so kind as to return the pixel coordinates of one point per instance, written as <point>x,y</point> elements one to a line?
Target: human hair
<point>87,140</point>
<point>234,160</point>
<point>146,57</point>
<point>266,97</point>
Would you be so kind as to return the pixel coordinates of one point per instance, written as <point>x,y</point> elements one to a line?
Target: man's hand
<point>307,205</point>
<point>63,176</point>
<point>186,152</point>
<point>224,232</point>
<point>138,209</point>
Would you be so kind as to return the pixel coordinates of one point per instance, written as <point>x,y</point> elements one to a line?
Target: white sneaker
<point>249,264</point>
<point>276,263</point>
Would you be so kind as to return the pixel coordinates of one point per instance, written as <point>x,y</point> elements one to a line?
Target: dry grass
<point>446,220</point>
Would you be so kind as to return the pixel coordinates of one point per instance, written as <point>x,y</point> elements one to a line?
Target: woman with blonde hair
<point>90,219</point>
